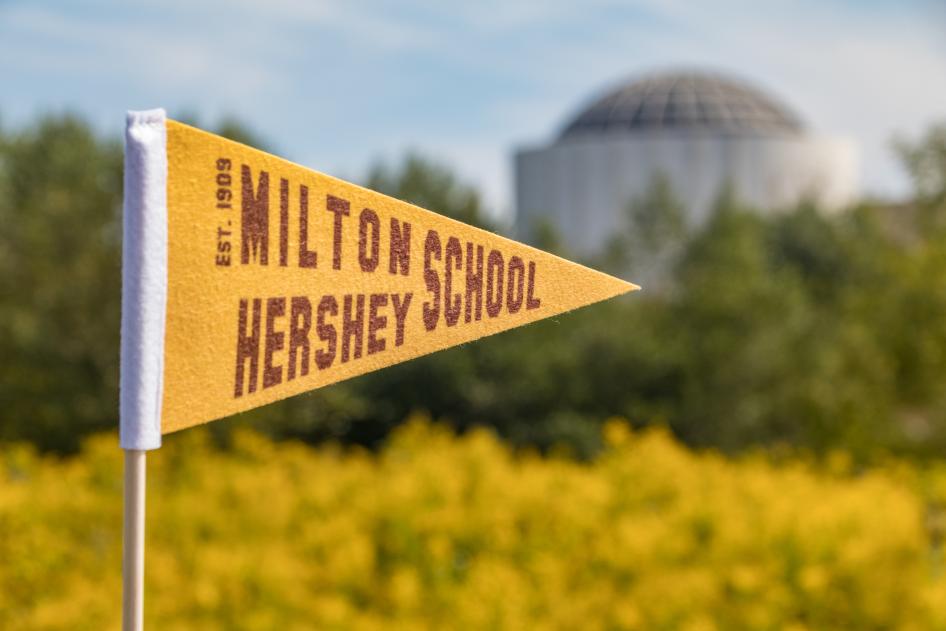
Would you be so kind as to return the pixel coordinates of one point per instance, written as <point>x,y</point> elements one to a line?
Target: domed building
<point>702,132</point>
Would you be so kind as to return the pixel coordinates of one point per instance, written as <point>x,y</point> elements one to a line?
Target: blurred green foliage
<point>804,328</point>
<point>926,161</point>
<point>429,185</point>
<point>60,253</point>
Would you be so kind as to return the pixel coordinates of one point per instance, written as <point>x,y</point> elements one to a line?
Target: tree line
<point>800,328</point>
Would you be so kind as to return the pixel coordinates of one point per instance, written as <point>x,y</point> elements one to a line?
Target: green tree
<point>545,236</point>
<point>60,253</point>
<point>773,356</point>
<point>649,243</point>
<point>925,161</point>
<point>817,330</point>
<point>421,181</point>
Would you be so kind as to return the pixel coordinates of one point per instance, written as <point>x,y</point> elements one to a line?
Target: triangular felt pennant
<point>280,280</point>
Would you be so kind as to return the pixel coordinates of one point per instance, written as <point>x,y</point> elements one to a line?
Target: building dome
<point>702,132</point>
<point>691,101</point>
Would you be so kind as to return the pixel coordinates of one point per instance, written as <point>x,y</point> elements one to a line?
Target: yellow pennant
<point>281,280</point>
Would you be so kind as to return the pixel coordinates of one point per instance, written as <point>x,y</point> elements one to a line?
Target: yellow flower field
<point>440,532</point>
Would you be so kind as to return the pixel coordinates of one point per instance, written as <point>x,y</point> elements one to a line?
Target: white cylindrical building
<point>702,132</point>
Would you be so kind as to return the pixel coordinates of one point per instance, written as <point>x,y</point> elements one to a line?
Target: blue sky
<point>338,84</point>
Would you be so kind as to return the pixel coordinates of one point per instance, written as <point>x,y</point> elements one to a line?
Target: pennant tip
<point>621,286</point>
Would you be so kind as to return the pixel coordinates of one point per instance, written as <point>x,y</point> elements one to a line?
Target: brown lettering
<point>300,321</point>
<point>326,332</point>
<point>255,218</point>
<point>474,283</point>
<point>353,326</point>
<point>307,257</point>
<point>247,347</point>
<point>494,283</point>
<point>368,218</point>
<point>376,323</point>
<point>451,312</point>
<point>514,286</point>
<point>341,208</point>
<point>272,375</point>
<point>283,222</point>
<point>531,301</point>
<point>400,256</point>
<point>432,280</point>
<point>400,315</point>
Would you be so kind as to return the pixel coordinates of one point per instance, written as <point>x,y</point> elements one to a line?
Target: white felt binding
<point>144,279</point>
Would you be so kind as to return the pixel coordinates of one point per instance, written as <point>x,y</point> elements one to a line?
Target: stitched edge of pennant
<point>144,279</point>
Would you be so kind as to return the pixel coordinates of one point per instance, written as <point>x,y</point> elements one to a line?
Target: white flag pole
<point>144,295</point>
<point>133,542</point>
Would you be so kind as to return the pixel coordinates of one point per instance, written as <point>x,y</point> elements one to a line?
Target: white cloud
<point>863,72</point>
<point>180,60</point>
